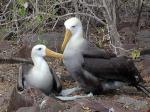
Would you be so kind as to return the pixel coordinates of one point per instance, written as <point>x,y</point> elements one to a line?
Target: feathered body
<point>95,69</point>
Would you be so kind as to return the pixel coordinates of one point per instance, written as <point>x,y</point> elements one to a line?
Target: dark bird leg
<point>20,85</point>
<point>143,89</point>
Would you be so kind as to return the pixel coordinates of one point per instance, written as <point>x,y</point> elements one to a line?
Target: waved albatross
<point>93,68</point>
<point>39,74</point>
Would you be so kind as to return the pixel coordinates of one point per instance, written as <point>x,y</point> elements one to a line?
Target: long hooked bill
<point>67,37</point>
<point>51,53</point>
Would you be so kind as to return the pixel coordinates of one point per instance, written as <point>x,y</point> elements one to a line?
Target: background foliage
<point>21,17</point>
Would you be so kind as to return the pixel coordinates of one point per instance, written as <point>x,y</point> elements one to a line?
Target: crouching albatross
<point>95,69</point>
<point>39,74</point>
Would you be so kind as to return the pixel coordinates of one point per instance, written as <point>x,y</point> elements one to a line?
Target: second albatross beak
<point>67,37</point>
<point>53,54</point>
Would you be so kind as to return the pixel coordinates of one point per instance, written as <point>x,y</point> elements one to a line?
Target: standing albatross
<point>39,74</point>
<point>95,69</point>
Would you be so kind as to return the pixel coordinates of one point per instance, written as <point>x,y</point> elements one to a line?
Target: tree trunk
<point>110,16</point>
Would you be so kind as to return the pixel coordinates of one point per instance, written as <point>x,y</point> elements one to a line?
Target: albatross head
<point>41,51</point>
<point>73,27</point>
<point>73,24</point>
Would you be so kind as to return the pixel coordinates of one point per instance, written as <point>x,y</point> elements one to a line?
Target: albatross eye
<point>73,26</point>
<point>39,49</point>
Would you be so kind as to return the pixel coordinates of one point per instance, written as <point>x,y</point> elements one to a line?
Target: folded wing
<point>117,68</point>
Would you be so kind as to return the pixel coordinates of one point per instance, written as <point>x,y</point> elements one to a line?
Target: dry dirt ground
<point>124,100</point>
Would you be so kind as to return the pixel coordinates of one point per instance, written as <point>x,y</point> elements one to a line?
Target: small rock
<point>49,104</point>
<point>17,100</point>
<point>28,109</point>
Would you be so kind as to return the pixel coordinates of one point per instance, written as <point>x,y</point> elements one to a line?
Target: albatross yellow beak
<point>67,37</point>
<point>51,53</point>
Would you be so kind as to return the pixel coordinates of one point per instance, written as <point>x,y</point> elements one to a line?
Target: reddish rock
<point>17,100</point>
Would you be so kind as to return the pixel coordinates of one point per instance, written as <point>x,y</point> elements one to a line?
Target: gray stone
<point>28,109</point>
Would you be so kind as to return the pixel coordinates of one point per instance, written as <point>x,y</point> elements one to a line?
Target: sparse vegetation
<point>110,24</point>
<point>20,17</point>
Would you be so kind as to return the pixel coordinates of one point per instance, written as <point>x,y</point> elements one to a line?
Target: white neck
<point>78,34</point>
<point>74,43</point>
<point>38,61</point>
<point>76,38</point>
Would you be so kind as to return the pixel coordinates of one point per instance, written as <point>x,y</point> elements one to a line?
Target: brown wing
<point>23,70</point>
<point>91,51</point>
<point>57,86</point>
<point>119,69</point>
